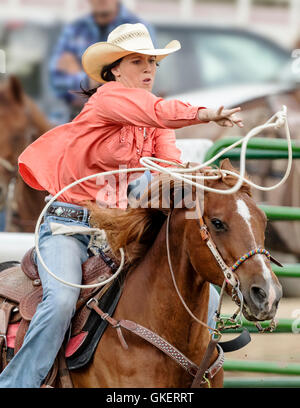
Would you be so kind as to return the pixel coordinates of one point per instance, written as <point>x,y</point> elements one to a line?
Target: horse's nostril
<point>258,294</point>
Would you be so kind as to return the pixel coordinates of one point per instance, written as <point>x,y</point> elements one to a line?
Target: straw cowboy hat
<point>124,40</point>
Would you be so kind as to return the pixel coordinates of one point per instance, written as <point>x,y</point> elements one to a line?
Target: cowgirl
<point>121,122</point>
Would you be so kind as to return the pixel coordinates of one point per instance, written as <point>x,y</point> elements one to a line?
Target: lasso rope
<point>278,120</point>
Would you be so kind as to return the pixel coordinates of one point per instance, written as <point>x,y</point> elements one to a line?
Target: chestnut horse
<point>149,298</point>
<point>21,122</point>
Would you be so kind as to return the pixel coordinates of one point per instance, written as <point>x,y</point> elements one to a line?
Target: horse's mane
<point>135,229</point>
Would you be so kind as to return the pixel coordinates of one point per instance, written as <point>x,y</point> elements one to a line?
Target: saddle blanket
<point>79,349</point>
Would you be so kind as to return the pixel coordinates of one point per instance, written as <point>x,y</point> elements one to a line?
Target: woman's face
<point>136,71</point>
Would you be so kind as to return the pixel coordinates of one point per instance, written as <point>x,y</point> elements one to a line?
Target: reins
<point>174,280</point>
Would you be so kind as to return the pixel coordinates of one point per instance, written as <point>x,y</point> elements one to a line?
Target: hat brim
<point>102,53</point>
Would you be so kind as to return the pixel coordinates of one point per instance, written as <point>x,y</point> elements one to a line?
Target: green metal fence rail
<point>262,367</point>
<point>288,271</point>
<point>265,382</point>
<point>283,326</point>
<point>281,213</point>
<point>257,148</point>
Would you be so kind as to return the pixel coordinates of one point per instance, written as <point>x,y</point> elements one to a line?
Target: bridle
<point>237,296</point>
<point>230,278</point>
<point>228,272</point>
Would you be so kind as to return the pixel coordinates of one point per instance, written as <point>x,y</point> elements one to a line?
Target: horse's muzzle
<point>261,301</point>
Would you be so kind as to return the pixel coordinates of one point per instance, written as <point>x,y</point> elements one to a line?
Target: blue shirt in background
<point>75,38</point>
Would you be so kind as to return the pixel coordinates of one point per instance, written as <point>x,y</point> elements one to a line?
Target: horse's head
<point>236,226</point>
<point>15,131</point>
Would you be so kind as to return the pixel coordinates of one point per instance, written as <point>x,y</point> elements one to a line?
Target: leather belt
<point>66,212</point>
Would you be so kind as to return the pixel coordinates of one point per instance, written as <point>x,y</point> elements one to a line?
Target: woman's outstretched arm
<point>139,107</point>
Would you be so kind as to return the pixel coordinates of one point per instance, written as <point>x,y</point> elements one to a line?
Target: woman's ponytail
<point>105,74</point>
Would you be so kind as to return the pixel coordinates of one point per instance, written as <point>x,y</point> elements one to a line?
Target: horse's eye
<point>218,224</point>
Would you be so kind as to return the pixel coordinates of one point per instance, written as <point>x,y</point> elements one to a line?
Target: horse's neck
<point>150,299</point>
<point>30,203</point>
<point>39,120</point>
<point>30,195</point>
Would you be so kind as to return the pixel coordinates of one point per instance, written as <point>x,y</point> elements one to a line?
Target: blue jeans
<point>64,256</point>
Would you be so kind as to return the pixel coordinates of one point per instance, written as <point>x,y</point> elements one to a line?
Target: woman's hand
<point>223,117</point>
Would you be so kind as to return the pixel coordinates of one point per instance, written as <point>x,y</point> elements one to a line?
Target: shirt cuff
<point>198,120</point>
<point>193,114</point>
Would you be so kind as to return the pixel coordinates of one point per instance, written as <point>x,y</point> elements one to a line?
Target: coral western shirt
<point>116,127</point>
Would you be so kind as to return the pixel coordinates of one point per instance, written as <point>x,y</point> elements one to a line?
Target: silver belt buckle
<point>59,211</point>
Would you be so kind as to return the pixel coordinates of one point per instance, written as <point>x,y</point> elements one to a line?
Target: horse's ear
<point>16,89</point>
<point>226,165</point>
<point>231,180</point>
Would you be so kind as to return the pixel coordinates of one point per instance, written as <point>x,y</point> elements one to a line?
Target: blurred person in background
<point>66,73</point>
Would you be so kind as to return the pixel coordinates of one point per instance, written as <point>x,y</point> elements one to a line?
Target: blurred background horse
<point>21,122</point>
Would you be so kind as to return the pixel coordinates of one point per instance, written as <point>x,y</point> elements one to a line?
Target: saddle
<point>21,292</point>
